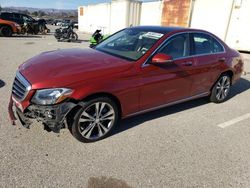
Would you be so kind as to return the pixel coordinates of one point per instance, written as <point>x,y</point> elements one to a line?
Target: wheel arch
<point>1,25</point>
<point>108,95</point>
<point>7,25</point>
<point>74,110</point>
<point>229,72</point>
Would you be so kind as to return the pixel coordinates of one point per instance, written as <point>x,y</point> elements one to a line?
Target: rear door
<point>209,55</point>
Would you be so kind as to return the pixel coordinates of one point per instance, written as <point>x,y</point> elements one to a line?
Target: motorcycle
<point>96,38</point>
<point>66,34</point>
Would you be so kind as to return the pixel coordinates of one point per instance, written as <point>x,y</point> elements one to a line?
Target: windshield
<point>129,43</point>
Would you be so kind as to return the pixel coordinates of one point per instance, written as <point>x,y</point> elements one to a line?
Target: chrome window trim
<point>25,83</point>
<point>145,64</point>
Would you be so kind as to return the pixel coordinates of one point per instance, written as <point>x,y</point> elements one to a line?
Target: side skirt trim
<point>168,104</point>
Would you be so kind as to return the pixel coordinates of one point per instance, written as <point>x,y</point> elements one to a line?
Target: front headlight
<point>51,96</point>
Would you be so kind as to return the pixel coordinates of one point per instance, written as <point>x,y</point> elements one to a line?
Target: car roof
<point>13,13</point>
<point>164,29</point>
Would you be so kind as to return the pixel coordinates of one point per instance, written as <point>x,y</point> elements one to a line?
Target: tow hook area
<point>52,117</point>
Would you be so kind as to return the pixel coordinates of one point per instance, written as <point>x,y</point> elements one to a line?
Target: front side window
<point>27,18</point>
<point>177,46</point>
<point>17,16</point>
<point>205,44</point>
<point>130,43</point>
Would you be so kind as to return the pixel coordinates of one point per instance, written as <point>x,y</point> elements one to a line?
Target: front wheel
<point>221,89</point>
<point>95,120</point>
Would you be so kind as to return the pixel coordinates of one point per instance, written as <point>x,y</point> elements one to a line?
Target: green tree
<point>41,13</point>
<point>35,13</point>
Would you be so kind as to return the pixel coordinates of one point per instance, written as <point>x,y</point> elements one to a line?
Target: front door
<point>162,84</point>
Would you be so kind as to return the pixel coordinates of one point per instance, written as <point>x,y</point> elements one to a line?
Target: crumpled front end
<point>51,116</point>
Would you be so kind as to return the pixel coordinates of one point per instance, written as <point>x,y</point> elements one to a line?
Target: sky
<point>57,4</point>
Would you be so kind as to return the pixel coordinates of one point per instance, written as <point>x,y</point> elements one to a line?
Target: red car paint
<point>137,87</point>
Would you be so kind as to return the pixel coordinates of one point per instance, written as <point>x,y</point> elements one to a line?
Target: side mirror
<point>161,58</point>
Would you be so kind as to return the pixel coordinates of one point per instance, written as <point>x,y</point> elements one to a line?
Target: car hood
<point>61,68</point>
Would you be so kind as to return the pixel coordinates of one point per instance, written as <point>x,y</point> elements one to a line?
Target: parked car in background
<point>59,23</point>
<point>65,23</point>
<point>7,28</point>
<point>37,25</point>
<point>56,21</point>
<point>49,21</point>
<point>75,24</point>
<point>136,70</point>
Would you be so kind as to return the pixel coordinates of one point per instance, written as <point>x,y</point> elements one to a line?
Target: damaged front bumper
<point>52,116</point>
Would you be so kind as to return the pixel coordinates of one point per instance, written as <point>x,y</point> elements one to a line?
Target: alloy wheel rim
<point>96,120</point>
<point>222,88</point>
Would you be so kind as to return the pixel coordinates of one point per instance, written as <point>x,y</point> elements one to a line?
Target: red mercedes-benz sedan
<point>136,70</point>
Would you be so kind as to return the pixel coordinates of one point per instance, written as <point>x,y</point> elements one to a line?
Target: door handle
<point>222,59</point>
<point>189,63</point>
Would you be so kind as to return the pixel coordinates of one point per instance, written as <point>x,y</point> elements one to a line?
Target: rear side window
<point>6,15</point>
<point>205,44</point>
<point>177,46</point>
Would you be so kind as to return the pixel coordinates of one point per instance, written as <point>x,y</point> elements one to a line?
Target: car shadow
<point>241,86</point>
<point>2,83</point>
<point>27,36</point>
<point>80,41</point>
<point>77,41</point>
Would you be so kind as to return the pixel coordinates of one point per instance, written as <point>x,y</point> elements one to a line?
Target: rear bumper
<point>52,116</point>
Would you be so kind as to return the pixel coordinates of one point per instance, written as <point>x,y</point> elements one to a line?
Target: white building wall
<point>151,13</point>
<point>134,13</point>
<point>228,19</point>
<point>212,15</point>
<point>239,27</point>
<point>110,17</point>
<point>81,18</point>
<point>118,13</point>
<point>95,17</point>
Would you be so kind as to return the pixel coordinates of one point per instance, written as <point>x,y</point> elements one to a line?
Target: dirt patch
<point>105,182</point>
<point>28,43</point>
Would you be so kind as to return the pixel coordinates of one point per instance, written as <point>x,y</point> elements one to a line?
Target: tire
<point>221,89</point>
<point>6,31</point>
<point>89,126</point>
<point>41,29</point>
<point>73,37</point>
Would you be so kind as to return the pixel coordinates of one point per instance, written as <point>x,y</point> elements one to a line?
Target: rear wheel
<point>73,37</point>
<point>95,120</point>
<point>6,31</point>
<point>221,89</point>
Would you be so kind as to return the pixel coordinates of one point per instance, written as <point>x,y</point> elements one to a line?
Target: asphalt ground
<point>194,144</point>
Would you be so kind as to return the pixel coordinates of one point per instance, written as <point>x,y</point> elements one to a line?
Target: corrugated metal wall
<point>176,13</point>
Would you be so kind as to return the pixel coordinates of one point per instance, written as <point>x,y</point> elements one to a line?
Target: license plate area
<point>17,104</point>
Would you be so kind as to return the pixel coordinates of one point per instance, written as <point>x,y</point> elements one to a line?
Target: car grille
<point>20,87</point>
